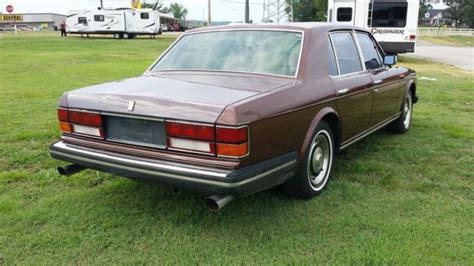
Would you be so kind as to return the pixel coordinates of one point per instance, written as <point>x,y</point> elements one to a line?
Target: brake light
<point>231,135</point>
<point>80,122</point>
<point>191,131</point>
<point>85,118</point>
<point>208,139</point>
<point>232,142</point>
<point>412,37</point>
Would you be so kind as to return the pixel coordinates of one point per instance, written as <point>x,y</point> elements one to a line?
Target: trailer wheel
<point>117,36</point>
<point>127,36</point>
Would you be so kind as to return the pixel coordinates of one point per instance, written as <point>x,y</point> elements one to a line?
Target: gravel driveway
<point>462,57</point>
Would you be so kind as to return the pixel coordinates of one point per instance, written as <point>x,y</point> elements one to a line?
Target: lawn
<point>393,199</point>
<point>450,40</point>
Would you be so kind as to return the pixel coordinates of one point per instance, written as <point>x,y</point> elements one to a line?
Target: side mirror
<point>390,60</point>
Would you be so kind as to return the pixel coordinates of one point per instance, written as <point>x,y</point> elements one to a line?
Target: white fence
<point>444,32</point>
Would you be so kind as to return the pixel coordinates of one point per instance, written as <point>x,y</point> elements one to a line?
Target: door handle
<point>342,91</point>
<point>377,82</point>
<point>376,90</point>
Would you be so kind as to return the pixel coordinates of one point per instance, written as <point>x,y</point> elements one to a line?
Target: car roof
<point>323,26</point>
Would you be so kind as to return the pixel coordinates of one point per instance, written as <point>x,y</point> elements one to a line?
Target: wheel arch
<point>329,115</point>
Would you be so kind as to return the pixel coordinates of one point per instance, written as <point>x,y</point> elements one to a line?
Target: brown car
<point>234,110</point>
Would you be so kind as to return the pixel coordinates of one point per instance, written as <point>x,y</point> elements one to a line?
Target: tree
<point>424,8</point>
<point>178,11</point>
<point>456,11</point>
<point>156,5</point>
<point>308,10</point>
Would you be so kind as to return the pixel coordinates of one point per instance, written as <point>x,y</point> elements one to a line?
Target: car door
<point>386,81</point>
<point>352,84</point>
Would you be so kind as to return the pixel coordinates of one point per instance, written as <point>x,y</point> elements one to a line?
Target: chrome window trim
<point>221,71</point>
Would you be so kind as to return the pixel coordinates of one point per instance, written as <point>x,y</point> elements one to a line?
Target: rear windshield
<point>253,51</point>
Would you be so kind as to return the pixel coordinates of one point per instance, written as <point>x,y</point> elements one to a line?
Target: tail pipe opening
<point>70,169</point>
<point>218,202</point>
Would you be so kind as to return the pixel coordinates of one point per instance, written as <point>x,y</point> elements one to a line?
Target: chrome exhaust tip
<point>69,170</point>
<point>217,202</point>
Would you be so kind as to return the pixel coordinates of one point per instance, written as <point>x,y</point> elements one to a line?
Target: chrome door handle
<point>376,90</point>
<point>342,91</point>
<point>377,82</point>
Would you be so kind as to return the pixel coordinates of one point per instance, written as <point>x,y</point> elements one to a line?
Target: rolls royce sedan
<point>233,110</point>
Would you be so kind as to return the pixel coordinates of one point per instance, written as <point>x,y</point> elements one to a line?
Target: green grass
<point>450,40</point>
<point>393,199</point>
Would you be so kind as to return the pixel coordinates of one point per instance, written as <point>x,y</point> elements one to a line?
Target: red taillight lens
<point>412,37</point>
<point>84,118</point>
<point>62,115</point>
<point>232,135</point>
<point>189,131</point>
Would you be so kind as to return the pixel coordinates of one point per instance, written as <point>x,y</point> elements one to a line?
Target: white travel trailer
<point>393,22</point>
<point>122,23</point>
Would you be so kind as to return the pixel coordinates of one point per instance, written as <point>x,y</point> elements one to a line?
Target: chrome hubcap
<point>407,112</point>
<point>320,160</point>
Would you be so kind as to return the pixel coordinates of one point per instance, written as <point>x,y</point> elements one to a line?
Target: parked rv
<point>121,23</point>
<point>392,22</point>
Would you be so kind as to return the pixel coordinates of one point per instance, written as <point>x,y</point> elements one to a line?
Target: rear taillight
<point>232,142</point>
<point>80,122</point>
<point>207,139</point>
<point>412,37</point>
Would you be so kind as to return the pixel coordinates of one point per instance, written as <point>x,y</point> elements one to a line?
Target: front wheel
<point>314,172</point>
<point>403,123</point>
<point>117,36</point>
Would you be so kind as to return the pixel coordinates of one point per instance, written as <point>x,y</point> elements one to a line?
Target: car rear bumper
<point>238,182</point>
<point>398,47</point>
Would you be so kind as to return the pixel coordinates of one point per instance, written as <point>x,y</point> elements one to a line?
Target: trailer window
<point>390,14</point>
<point>82,20</point>
<point>344,14</point>
<point>346,53</point>
<point>99,18</point>
<point>144,15</point>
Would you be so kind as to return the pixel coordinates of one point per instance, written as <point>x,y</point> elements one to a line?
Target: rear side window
<point>99,18</point>
<point>332,67</point>
<point>346,52</point>
<point>82,20</point>
<point>344,14</point>
<point>144,15</point>
<point>369,51</point>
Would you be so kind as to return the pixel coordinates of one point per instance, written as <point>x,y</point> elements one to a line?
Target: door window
<point>369,51</point>
<point>331,60</point>
<point>344,14</point>
<point>82,20</point>
<point>346,53</point>
<point>144,15</point>
<point>99,18</point>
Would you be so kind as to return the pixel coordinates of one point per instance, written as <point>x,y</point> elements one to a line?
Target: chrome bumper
<point>239,182</point>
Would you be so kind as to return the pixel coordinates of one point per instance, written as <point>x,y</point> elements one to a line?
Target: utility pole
<point>208,13</point>
<point>247,11</point>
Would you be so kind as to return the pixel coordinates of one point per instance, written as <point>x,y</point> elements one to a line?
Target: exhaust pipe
<point>217,202</point>
<point>70,169</point>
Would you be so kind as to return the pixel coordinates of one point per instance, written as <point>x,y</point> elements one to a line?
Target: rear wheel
<point>314,172</point>
<point>403,123</point>
<point>127,36</point>
<point>117,36</point>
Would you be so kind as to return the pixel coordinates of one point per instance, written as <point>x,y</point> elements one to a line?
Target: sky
<point>221,10</point>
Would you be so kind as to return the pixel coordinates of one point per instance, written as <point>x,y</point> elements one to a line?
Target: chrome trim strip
<point>61,145</point>
<point>134,116</point>
<point>370,131</point>
<point>234,29</point>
